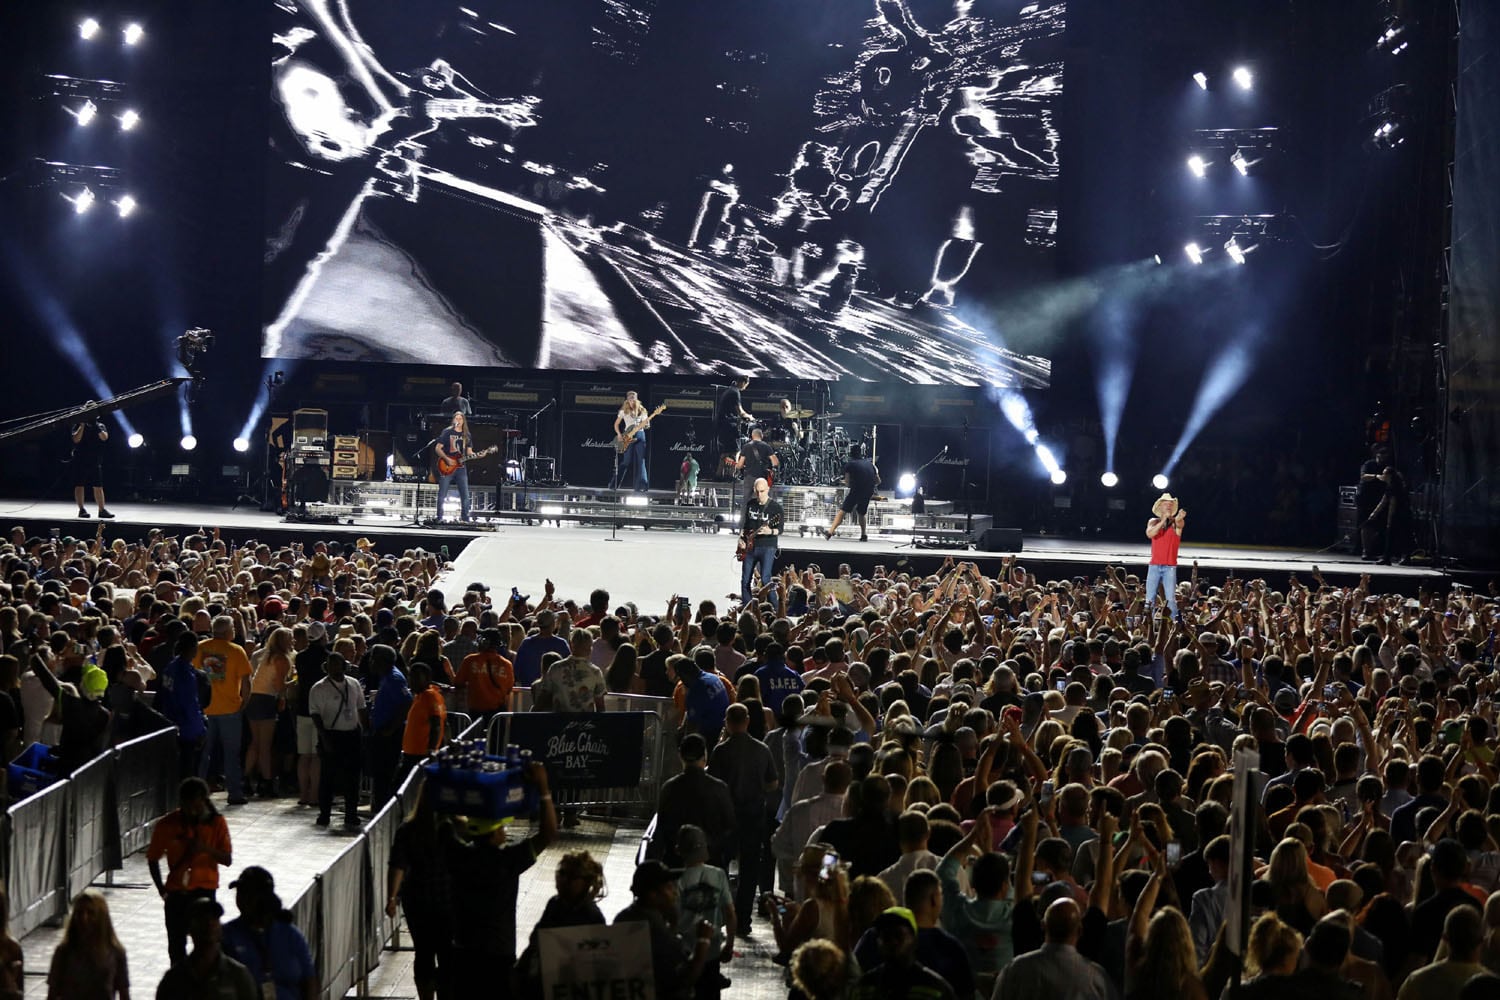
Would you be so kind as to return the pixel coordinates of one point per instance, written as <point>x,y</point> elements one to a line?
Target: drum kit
<point>812,451</point>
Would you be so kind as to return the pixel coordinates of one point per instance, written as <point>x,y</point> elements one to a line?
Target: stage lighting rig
<point>1194,253</point>
<point>190,348</point>
<point>1243,77</point>
<point>1201,79</point>
<point>133,34</point>
<point>188,442</point>
<point>1109,480</point>
<point>1160,481</point>
<point>135,440</point>
<point>88,29</point>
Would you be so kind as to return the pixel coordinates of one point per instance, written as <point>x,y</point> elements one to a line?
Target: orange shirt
<point>169,839</point>
<point>488,678</point>
<point>418,718</point>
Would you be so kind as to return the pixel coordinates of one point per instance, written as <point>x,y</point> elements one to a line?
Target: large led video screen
<point>794,188</point>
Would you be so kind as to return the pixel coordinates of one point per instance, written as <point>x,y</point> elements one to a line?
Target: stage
<point>650,565</point>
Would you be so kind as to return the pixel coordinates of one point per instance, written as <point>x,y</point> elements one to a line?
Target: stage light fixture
<point>907,484</point>
<point>85,115</point>
<point>1059,477</point>
<point>135,440</point>
<point>1198,165</point>
<point>637,500</point>
<point>1234,250</point>
<point>1156,257</point>
<point>1240,163</point>
<point>82,201</point>
<point>133,33</point>
<point>188,442</point>
<point>125,205</point>
<point>1159,481</point>
<point>1244,78</point>
<point>129,119</point>
<point>1194,253</point>
<point>88,28</point>
<point>1201,79</point>
<point>1109,480</point>
<point>241,444</point>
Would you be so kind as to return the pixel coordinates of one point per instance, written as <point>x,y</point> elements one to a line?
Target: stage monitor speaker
<point>309,484</point>
<point>412,456</point>
<point>1000,540</point>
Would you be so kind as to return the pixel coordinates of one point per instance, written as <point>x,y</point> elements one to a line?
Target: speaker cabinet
<point>1000,540</point>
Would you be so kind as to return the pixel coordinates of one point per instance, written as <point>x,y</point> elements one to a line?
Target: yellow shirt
<point>227,667</point>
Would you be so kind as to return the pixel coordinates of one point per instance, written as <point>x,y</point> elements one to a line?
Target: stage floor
<point>649,566</point>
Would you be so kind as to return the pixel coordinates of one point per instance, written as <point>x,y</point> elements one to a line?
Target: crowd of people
<point>909,785</point>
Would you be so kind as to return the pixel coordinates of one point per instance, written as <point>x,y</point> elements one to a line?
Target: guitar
<point>742,547</point>
<point>448,466</point>
<point>623,439</point>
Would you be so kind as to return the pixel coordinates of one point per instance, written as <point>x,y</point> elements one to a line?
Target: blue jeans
<point>631,473</point>
<point>765,558</point>
<point>225,731</point>
<point>460,478</point>
<point>1161,576</point>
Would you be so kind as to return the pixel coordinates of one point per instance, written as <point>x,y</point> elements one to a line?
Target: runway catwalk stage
<point>650,566</point>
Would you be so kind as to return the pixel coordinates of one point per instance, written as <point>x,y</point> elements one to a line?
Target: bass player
<point>452,445</point>
<point>764,519</point>
<point>631,424</point>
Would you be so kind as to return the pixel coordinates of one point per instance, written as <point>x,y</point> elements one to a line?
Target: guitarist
<point>452,444</point>
<point>632,463</point>
<point>761,536</point>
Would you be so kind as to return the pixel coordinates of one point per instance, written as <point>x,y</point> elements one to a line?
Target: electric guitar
<point>448,466</point>
<point>623,439</point>
<point>742,547</point>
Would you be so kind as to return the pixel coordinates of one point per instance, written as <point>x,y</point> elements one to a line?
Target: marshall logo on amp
<point>950,459</point>
<point>596,443</point>
<point>680,446</point>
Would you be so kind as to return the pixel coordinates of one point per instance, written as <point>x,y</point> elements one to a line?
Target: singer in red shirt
<point>1165,531</point>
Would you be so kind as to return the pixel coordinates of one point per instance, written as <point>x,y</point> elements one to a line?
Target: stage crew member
<point>89,437</point>
<point>860,475</point>
<point>757,460</point>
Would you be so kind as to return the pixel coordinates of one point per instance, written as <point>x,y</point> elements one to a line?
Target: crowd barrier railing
<point>637,800</point>
<point>56,842</point>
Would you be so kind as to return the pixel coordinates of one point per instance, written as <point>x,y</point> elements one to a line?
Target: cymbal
<point>829,416</point>
<point>798,414</point>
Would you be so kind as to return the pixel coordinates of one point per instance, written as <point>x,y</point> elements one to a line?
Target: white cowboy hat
<point>1164,498</point>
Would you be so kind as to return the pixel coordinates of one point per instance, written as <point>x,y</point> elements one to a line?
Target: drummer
<point>790,423</point>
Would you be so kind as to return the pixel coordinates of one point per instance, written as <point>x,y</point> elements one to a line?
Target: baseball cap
<point>1285,700</point>
<point>652,874</point>
<point>94,682</point>
<point>272,604</point>
<point>897,916</point>
<point>692,843</point>
<point>254,877</point>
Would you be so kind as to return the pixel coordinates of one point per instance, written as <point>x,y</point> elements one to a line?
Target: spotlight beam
<point>1225,375</point>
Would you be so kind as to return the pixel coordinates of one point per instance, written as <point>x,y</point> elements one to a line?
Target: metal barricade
<point>146,779</point>
<point>38,873</point>
<point>93,823</point>
<point>637,801</point>
<point>344,927</point>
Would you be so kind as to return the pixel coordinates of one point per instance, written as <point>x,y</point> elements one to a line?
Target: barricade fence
<point>56,842</point>
<point>607,760</point>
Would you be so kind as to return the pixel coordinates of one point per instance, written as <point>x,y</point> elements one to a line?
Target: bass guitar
<point>746,542</point>
<point>623,439</point>
<point>448,466</point>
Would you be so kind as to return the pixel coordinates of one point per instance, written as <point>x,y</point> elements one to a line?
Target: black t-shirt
<point>456,404</point>
<point>88,448</point>
<point>757,456</point>
<point>758,514</point>
<point>729,406</point>
<point>654,674</point>
<point>309,671</point>
<point>486,882</point>
<point>862,476</point>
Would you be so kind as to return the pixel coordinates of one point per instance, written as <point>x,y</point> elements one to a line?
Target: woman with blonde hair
<point>1298,901</point>
<point>1274,949</point>
<point>268,687</point>
<point>825,911</point>
<point>1159,954</point>
<point>922,789</point>
<point>89,962</point>
<point>821,970</point>
<point>869,897</point>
